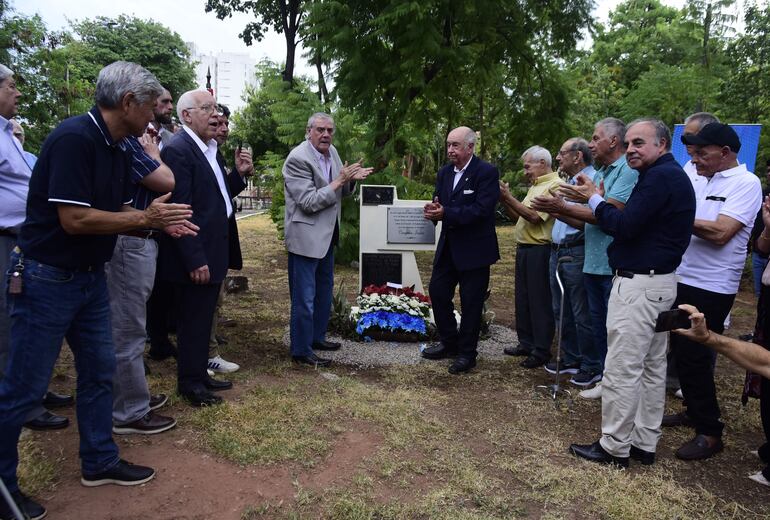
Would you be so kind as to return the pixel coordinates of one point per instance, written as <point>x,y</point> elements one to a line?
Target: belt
<point>566,245</point>
<point>527,246</point>
<point>624,273</point>
<point>140,233</point>
<point>7,233</point>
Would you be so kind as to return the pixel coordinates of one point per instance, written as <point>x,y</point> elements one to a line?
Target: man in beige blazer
<point>314,182</point>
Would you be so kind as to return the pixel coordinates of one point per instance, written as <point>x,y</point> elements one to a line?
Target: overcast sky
<point>189,19</point>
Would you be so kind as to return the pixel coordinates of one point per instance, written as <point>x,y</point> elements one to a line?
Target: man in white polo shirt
<point>710,273</point>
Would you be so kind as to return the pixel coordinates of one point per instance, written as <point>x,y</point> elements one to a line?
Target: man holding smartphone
<point>726,206</point>
<point>650,236</point>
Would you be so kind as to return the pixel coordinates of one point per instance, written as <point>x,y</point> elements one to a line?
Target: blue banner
<point>748,134</point>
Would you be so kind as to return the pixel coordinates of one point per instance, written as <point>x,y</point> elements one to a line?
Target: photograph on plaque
<point>380,268</point>
<point>409,226</point>
<point>376,195</point>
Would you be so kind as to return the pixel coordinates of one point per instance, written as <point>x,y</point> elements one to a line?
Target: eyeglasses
<point>206,109</point>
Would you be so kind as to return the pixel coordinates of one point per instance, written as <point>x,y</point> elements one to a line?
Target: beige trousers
<point>634,381</point>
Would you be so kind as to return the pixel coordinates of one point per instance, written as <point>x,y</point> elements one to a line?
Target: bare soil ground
<point>405,442</point>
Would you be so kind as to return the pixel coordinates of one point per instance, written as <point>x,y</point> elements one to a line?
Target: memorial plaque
<point>376,195</point>
<point>380,268</point>
<point>409,226</point>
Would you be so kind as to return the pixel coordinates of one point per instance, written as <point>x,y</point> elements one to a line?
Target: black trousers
<point>195,305</point>
<point>473,289</point>
<point>764,410</point>
<point>534,314</point>
<point>695,363</point>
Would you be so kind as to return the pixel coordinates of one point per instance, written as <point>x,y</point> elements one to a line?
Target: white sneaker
<point>592,393</point>
<point>678,394</point>
<point>210,372</point>
<point>217,364</point>
<point>760,478</point>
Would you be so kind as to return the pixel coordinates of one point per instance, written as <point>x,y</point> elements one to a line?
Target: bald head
<point>459,145</point>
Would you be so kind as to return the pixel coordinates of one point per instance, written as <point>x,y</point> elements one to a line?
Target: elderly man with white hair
<point>197,265</point>
<point>534,315</point>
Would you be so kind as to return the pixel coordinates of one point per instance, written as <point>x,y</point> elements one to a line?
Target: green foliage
<point>413,70</point>
<point>56,71</point>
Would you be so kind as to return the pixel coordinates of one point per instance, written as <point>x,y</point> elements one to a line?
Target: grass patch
<point>37,471</point>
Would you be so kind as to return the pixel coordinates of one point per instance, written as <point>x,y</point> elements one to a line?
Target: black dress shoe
<point>29,508</point>
<point>439,351</point>
<point>462,364</point>
<point>595,453</point>
<point>216,384</point>
<point>533,362</point>
<point>47,421</point>
<point>518,350</point>
<point>201,398</point>
<point>54,400</point>
<point>312,360</point>
<point>677,419</point>
<point>162,351</point>
<point>326,345</point>
<point>647,458</point>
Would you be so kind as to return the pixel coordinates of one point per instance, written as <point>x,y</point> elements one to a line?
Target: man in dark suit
<point>198,267</point>
<point>464,200</point>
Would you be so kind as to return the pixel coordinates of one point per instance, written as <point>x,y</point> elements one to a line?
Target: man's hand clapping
<point>161,214</point>
<point>582,191</point>
<point>244,164</point>
<point>433,210</point>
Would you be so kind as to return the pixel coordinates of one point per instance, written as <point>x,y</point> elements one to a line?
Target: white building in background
<point>231,73</point>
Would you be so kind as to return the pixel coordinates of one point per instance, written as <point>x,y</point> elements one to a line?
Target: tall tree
<point>413,66</point>
<point>283,16</point>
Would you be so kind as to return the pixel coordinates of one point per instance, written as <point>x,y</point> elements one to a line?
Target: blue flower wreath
<point>394,321</point>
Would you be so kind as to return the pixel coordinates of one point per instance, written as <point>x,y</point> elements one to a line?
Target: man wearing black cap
<point>710,272</point>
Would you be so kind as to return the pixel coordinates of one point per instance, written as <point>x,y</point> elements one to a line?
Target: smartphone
<point>673,319</point>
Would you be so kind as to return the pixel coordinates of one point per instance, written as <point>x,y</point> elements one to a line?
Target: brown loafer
<point>699,448</point>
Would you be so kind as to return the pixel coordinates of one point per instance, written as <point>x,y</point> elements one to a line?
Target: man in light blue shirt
<point>567,255</point>
<point>617,180</point>
<point>15,173</point>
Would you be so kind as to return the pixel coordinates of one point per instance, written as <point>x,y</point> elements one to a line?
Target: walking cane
<point>555,390</point>
<point>11,502</point>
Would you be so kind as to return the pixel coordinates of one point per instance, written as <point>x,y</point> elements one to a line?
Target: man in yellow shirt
<point>534,315</point>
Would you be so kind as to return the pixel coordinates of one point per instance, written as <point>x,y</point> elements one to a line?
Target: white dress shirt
<point>210,152</point>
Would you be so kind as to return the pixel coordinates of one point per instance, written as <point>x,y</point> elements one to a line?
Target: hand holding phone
<point>673,319</point>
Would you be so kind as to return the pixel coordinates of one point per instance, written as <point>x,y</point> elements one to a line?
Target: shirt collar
<point>620,161</point>
<point>204,147</point>
<point>545,178</point>
<point>464,167</point>
<point>5,124</point>
<point>96,117</point>
<point>735,170</point>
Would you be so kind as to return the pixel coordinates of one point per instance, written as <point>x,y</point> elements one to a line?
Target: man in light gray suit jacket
<point>314,180</point>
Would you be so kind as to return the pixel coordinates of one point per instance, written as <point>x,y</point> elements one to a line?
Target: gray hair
<point>185,102</point>
<point>702,118</point>
<point>614,127</point>
<point>538,153</point>
<point>661,130</point>
<point>121,77</point>
<point>318,115</point>
<point>5,73</point>
<point>578,144</point>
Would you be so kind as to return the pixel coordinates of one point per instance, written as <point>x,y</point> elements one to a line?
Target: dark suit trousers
<point>473,288</point>
<point>695,364</point>
<point>534,315</point>
<point>195,306</point>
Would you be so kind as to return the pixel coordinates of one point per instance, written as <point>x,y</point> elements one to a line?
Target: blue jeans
<point>598,288</point>
<point>57,303</point>
<point>311,282</point>
<point>576,335</point>
<point>758,265</point>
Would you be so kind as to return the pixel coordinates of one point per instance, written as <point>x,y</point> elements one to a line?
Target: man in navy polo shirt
<point>650,236</point>
<point>77,203</point>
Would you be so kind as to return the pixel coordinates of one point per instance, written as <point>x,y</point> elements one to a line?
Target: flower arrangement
<point>394,313</point>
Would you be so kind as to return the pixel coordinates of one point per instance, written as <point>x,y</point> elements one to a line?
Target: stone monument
<point>391,231</point>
